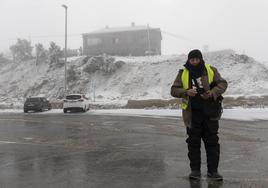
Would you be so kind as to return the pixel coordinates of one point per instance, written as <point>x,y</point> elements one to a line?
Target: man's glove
<point>206,95</point>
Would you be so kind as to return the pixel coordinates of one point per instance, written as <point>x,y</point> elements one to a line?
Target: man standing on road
<point>196,84</point>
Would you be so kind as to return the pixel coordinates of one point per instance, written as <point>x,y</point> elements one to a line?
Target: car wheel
<point>64,110</point>
<point>84,109</point>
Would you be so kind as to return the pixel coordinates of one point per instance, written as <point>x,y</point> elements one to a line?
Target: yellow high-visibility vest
<point>185,83</point>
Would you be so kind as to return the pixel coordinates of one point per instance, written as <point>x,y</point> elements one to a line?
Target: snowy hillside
<point>118,79</point>
<point>265,64</point>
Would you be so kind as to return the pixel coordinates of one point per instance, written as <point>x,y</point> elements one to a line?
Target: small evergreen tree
<point>71,74</point>
<point>22,50</point>
<point>40,51</point>
<point>54,52</point>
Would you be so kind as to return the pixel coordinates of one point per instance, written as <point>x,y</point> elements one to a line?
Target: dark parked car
<point>36,104</point>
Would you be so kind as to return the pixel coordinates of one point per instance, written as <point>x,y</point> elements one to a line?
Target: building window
<point>115,40</point>
<point>93,41</point>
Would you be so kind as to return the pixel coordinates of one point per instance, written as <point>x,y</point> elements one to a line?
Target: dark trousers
<point>206,129</point>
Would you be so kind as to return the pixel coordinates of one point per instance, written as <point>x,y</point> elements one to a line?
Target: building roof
<point>120,29</point>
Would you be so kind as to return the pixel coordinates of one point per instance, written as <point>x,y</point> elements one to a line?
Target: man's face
<point>194,61</point>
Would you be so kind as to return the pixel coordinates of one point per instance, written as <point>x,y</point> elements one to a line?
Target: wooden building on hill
<point>124,41</point>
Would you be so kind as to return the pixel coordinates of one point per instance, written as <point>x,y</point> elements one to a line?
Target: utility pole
<point>36,61</point>
<point>65,50</point>
<point>148,38</point>
<point>94,92</point>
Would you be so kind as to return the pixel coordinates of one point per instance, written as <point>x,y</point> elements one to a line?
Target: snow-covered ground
<point>138,78</point>
<point>250,114</point>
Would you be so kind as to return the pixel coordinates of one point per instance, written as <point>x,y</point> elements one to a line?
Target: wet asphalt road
<point>89,150</point>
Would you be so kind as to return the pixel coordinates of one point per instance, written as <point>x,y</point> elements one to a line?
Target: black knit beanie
<point>195,54</point>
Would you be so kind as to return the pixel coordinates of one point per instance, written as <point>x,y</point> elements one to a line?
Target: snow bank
<point>241,114</point>
<point>234,114</point>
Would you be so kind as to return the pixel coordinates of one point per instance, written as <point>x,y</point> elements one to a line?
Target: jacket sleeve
<point>220,84</point>
<point>177,88</point>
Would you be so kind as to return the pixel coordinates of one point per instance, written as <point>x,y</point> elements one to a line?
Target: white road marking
<point>27,138</point>
<point>7,142</point>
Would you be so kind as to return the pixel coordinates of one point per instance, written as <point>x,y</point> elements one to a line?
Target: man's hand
<point>191,92</point>
<point>206,95</point>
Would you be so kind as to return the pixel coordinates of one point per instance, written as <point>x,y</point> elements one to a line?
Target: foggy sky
<point>237,24</point>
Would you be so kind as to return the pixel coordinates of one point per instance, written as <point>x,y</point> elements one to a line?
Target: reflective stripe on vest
<point>185,83</point>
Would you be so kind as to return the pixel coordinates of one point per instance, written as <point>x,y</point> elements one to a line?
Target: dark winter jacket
<point>178,91</point>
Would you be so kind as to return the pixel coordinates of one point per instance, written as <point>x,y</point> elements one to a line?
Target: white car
<point>75,102</point>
